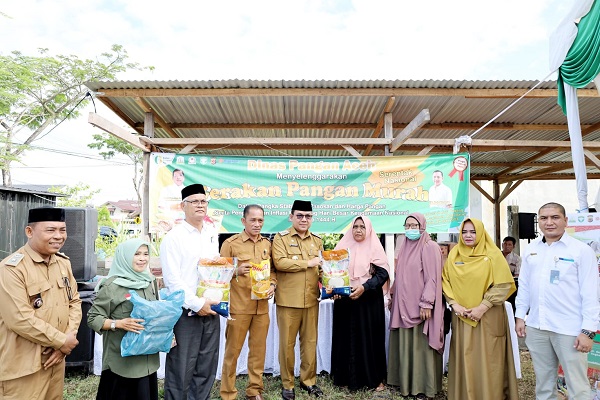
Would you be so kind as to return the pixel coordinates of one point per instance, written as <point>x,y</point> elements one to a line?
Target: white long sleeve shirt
<point>180,251</point>
<point>558,287</point>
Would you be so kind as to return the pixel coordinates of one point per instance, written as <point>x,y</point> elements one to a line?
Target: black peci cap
<point>189,190</point>
<point>301,205</point>
<point>46,214</point>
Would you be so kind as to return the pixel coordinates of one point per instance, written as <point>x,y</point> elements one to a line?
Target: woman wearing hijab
<point>476,282</point>
<point>132,377</point>
<point>416,314</point>
<point>358,340</point>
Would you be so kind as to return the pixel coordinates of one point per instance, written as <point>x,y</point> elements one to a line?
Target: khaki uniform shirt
<point>246,250</point>
<point>297,284</point>
<point>26,331</point>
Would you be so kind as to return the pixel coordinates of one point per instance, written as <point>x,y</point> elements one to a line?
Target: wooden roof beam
<point>352,151</point>
<point>510,187</point>
<point>109,127</point>
<point>114,108</point>
<point>482,191</point>
<point>421,119</point>
<point>501,144</point>
<point>188,149</point>
<point>504,164</point>
<point>389,104</point>
<point>592,157</point>
<point>409,148</point>
<point>584,132</point>
<point>426,150</point>
<point>237,146</point>
<point>360,126</point>
<point>321,92</point>
<point>417,142</point>
<point>406,150</point>
<point>551,177</point>
<point>544,171</point>
<point>525,162</point>
<point>267,141</point>
<point>161,122</point>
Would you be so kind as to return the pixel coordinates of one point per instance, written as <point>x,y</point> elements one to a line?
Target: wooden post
<point>148,132</point>
<point>512,215</point>
<point>389,237</point>
<point>496,204</point>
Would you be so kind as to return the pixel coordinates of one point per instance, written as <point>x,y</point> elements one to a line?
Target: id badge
<point>554,276</point>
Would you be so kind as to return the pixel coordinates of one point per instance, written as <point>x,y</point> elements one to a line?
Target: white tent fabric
<point>576,147</point>
<point>560,42</point>
<point>564,35</point>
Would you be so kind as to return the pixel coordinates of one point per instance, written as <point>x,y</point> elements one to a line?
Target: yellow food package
<point>260,279</point>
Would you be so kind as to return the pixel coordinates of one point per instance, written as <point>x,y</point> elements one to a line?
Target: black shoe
<point>313,390</point>
<point>288,394</point>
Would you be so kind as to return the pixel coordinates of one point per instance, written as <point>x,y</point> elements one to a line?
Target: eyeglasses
<point>300,217</point>
<point>411,226</point>
<point>196,203</point>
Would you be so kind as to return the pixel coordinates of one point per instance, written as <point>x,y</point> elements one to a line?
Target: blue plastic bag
<point>159,319</point>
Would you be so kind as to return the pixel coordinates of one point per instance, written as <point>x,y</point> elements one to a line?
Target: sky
<point>270,40</point>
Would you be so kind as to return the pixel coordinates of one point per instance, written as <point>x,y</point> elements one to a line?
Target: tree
<point>109,146</point>
<point>39,92</point>
<point>79,195</point>
<point>104,218</point>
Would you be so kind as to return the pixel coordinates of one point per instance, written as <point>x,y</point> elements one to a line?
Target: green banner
<point>385,189</point>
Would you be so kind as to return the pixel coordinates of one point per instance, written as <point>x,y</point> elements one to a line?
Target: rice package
<point>336,277</point>
<point>159,319</point>
<point>215,282</point>
<point>260,279</point>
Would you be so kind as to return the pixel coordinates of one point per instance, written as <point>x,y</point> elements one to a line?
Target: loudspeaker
<point>527,226</point>
<point>80,246</point>
<point>84,352</point>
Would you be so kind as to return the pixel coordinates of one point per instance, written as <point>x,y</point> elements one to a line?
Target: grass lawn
<point>83,387</point>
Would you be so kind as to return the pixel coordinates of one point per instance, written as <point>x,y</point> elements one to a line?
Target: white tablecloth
<point>271,359</point>
<point>513,338</point>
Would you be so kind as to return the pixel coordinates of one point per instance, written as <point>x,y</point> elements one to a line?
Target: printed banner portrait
<point>385,189</point>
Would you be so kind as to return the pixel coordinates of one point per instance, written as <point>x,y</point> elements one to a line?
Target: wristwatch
<point>113,325</point>
<point>589,334</point>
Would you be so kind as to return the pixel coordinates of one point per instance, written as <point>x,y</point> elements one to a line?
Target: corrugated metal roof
<point>322,84</point>
<point>454,112</point>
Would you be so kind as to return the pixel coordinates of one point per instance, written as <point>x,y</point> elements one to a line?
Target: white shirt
<point>514,263</point>
<point>570,302</point>
<point>180,251</point>
<point>440,196</point>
